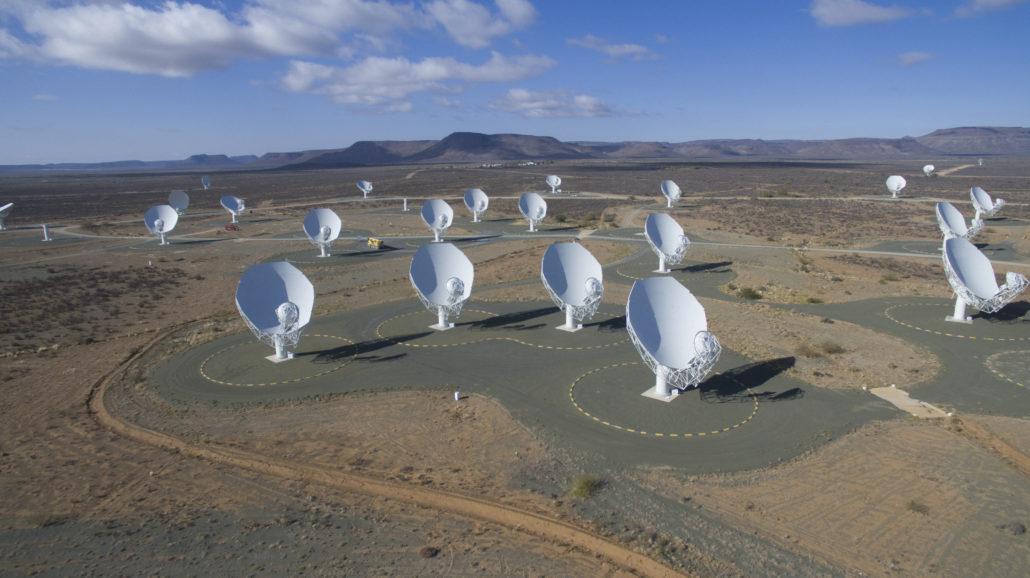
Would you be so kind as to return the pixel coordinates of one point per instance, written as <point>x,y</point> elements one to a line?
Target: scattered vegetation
<point>917,507</point>
<point>748,293</point>
<point>584,486</point>
<point>814,301</point>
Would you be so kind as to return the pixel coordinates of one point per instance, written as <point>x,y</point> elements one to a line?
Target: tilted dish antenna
<point>553,181</point>
<point>928,170</point>
<point>5,211</point>
<point>366,188</point>
<point>666,238</point>
<point>322,227</point>
<point>894,184</point>
<point>438,216</point>
<point>205,182</point>
<point>573,279</point>
<point>442,276</point>
<point>160,220</point>
<point>477,202</point>
<point>979,162</point>
<point>953,224</point>
<point>534,208</point>
<point>671,191</point>
<point>234,205</point>
<point>179,201</point>
<point>667,325</point>
<point>972,277</point>
<point>983,204</point>
<point>275,300</point>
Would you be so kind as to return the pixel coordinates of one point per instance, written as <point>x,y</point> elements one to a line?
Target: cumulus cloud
<point>913,58</point>
<point>552,104</point>
<point>181,37</point>
<point>635,51</point>
<point>472,25</point>
<point>388,82</point>
<point>972,7</point>
<point>854,12</point>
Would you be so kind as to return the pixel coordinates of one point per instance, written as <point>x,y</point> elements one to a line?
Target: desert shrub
<point>560,218</point>
<point>806,350</point>
<point>814,300</point>
<point>584,486</point>
<point>748,293</point>
<point>830,347</point>
<point>917,507</point>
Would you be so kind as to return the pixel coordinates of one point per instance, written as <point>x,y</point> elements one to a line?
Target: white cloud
<point>636,51</point>
<point>388,82</point>
<point>553,104</point>
<point>913,58</point>
<point>470,24</point>
<point>182,37</point>
<point>854,12</point>
<point>45,97</point>
<point>972,7</point>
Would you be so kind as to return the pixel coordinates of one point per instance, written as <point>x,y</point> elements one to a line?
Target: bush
<point>829,347</point>
<point>748,293</point>
<point>815,300</point>
<point>584,486</point>
<point>917,507</point>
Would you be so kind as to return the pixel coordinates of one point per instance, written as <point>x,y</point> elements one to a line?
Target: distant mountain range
<point>468,147</point>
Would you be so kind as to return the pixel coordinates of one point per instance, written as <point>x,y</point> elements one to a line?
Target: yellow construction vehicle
<point>374,243</point>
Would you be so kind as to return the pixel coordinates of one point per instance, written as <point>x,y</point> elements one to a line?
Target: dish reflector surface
<point>895,183</point>
<point>533,207</point>
<point>972,277</point>
<point>553,181</point>
<point>476,201</point>
<point>671,190</point>
<point>234,205</point>
<point>665,316</point>
<point>983,203</point>
<point>260,295</point>
<point>437,215</point>
<point>322,226</point>
<point>566,268</point>
<point>666,238</point>
<point>365,186</point>
<point>953,224</point>
<point>4,212</point>
<point>179,201</point>
<point>928,170</point>
<point>433,265</point>
<point>161,219</point>
<point>205,182</point>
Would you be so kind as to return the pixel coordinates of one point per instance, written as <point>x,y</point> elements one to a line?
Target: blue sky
<point>104,80</point>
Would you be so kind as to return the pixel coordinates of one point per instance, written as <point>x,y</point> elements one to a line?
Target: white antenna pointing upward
<point>438,216</point>
<point>534,208</point>
<point>322,226</point>
<point>672,193</point>
<point>972,277</point>
<point>160,220</point>
<point>442,277</point>
<point>573,279</point>
<point>477,202</point>
<point>275,300</point>
<point>666,238</point>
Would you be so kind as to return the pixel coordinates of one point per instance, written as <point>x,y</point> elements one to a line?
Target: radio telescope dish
<point>366,188</point>
<point>205,182</point>
<point>322,227</point>
<point>5,211</point>
<point>667,325</point>
<point>477,202</point>
<point>928,170</point>
<point>980,162</point>
<point>442,276</point>
<point>534,208</point>
<point>972,277</point>
<point>179,200</point>
<point>275,300</point>
<point>953,224</point>
<point>160,220</point>
<point>894,184</point>
<point>554,181</point>
<point>983,204</point>
<point>572,277</point>
<point>666,238</point>
<point>438,216</point>
<point>671,191</point>
<point>234,205</point>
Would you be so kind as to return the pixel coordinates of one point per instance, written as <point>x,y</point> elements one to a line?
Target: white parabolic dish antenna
<point>983,204</point>
<point>5,211</point>
<point>666,238</point>
<point>275,300</point>
<point>953,224</point>
<point>534,208</point>
<point>671,191</point>
<point>366,188</point>
<point>234,205</point>
<point>928,170</point>
<point>894,184</point>
<point>438,216</point>
<point>179,201</point>
<point>972,277</point>
<point>160,220</point>
<point>205,182</point>
<point>477,202</point>
<point>322,227</point>
<point>667,325</point>
<point>573,279</point>
<point>442,276</point>
<point>553,181</point>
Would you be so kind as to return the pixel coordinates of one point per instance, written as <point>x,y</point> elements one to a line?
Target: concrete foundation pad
<point>904,402</point>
